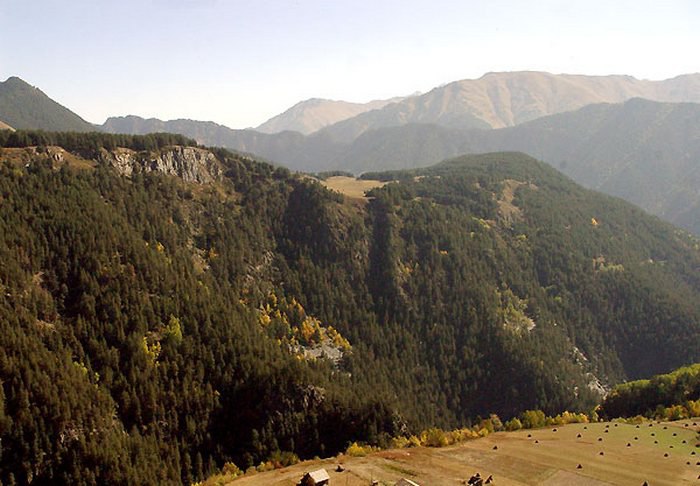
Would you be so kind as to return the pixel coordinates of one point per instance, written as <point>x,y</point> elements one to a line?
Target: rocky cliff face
<point>189,163</point>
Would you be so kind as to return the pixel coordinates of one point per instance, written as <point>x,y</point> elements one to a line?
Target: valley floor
<point>663,454</point>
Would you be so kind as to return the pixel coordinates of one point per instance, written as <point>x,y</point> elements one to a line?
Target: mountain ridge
<point>503,99</point>
<point>24,106</point>
<point>362,147</point>
<point>311,115</point>
<point>642,151</point>
<point>592,145</point>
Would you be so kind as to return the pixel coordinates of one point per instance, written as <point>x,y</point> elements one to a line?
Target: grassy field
<point>665,454</point>
<point>20,156</point>
<point>351,187</point>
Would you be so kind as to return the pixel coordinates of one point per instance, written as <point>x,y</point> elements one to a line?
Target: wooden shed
<point>316,478</point>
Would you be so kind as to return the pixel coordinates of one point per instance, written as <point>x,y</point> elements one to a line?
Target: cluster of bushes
<point>686,410</point>
<point>231,471</point>
<point>333,173</point>
<point>671,396</point>
<point>437,437</point>
<point>432,437</point>
<point>360,450</point>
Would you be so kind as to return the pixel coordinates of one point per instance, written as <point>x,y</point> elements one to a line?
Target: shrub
<point>358,450</point>
<point>532,419</point>
<point>414,441</point>
<point>514,424</point>
<point>435,437</point>
<point>231,469</point>
<point>399,442</point>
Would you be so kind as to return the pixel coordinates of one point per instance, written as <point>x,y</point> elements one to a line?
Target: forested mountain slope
<point>166,308</point>
<point>23,106</point>
<point>645,152</point>
<point>642,151</point>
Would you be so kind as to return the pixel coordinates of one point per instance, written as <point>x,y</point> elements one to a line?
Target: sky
<point>240,62</point>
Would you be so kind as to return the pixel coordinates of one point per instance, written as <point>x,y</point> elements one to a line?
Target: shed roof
<point>319,475</point>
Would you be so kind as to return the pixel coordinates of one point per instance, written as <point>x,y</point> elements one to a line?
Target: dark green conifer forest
<point>154,329</point>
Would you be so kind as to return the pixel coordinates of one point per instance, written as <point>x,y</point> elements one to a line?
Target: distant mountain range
<point>643,151</point>
<point>311,115</point>
<point>23,106</point>
<point>498,100</point>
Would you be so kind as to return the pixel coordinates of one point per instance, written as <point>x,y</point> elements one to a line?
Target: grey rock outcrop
<point>189,163</point>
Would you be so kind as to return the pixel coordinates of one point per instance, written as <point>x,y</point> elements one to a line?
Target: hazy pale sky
<point>239,62</point>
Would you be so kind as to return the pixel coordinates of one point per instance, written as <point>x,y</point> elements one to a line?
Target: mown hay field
<point>351,187</point>
<point>663,454</point>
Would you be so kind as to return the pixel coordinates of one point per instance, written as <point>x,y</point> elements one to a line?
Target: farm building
<point>406,482</point>
<point>315,478</point>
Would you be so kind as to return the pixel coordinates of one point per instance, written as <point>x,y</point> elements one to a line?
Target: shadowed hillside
<point>168,308</point>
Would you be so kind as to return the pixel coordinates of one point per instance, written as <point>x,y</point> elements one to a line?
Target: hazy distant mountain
<point>282,146</point>
<point>25,107</point>
<point>311,115</point>
<point>643,151</point>
<point>499,100</point>
<point>495,100</point>
<point>205,132</point>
